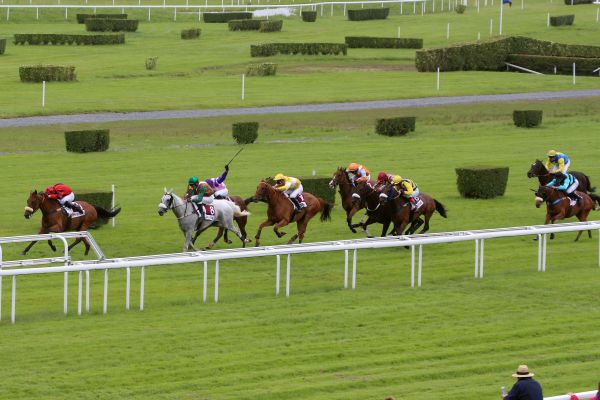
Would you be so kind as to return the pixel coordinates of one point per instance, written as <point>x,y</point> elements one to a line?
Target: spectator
<point>596,397</point>
<point>526,388</point>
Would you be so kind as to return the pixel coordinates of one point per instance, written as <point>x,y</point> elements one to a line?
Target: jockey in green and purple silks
<point>218,185</point>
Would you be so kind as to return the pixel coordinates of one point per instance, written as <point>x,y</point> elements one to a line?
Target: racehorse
<point>340,178</point>
<point>558,206</point>
<point>538,169</point>
<point>281,211</point>
<point>240,220</point>
<point>55,220</point>
<point>190,221</point>
<point>380,212</point>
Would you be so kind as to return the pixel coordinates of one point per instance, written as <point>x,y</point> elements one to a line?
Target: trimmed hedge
<point>364,14</point>
<point>48,73</point>
<point>87,141</point>
<point>2,45</point>
<point>564,65</point>
<point>395,126</point>
<point>383,42</point>
<point>575,2</point>
<point>263,69</point>
<point>527,118</point>
<point>309,16</point>
<point>318,186</point>
<point>82,17</point>
<point>192,33</point>
<point>562,20</point>
<point>481,182</point>
<point>100,199</point>
<point>490,55</point>
<point>52,38</point>
<point>271,26</point>
<point>217,17</point>
<point>111,25</point>
<point>271,49</point>
<point>244,24</point>
<point>151,63</point>
<point>244,132</point>
<point>460,8</point>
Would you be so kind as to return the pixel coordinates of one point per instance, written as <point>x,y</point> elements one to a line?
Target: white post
<point>573,73</point>
<point>448,31</point>
<point>175,14</point>
<point>420,265</point>
<point>37,13</point>
<point>412,266</point>
<point>478,36</point>
<point>142,289</point>
<point>216,281</point>
<point>243,85</point>
<point>491,26</point>
<point>87,291</point>
<point>545,239</point>
<point>414,7</point>
<point>66,13</point>
<point>354,269</point>
<point>321,10</point>
<point>344,9</point>
<point>522,4</point>
<point>481,260</point>
<point>66,294</point>
<point>287,276</point>
<point>501,10</point>
<point>112,204</point>
<point>205,287</point>
<point>105,301</point>
<point>476,258</point>
<point>422,8</point>
<point>127,287</point>
<point>401,6</point>
<point>597,14</point>
<point>345,269</point>
<point>332,9</point>
<point>7,13</point>
<point>149,15</point>
<point>548,21</point>
<point>43,93</point>
<point>477,6</point>
<point>438,79</point>
<point>539,238</point>
<point>79,292</point>
<point>398,34</point>
<point>277,275</point>
<point>13,302</point>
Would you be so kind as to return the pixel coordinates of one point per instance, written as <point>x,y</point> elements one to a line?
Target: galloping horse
<point>538,169</point>
<point>190,221</point>
<point>56,221</point>
<point>383,212</point>
<point>558,206</point>
<point>341,179</point>
<point>281,211</point>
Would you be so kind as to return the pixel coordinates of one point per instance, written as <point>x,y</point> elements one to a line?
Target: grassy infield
<point>455,337</point>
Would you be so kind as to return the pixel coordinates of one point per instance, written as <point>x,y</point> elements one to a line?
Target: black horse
<point>538,169</point>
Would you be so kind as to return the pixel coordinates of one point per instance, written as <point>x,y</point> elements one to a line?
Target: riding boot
<point>576,196</point>
<point>74,206</point>
<point>296,205</point>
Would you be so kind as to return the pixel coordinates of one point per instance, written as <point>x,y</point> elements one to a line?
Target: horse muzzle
<point>162,209</point>
<point>28,212</point>
<point>538,202</point>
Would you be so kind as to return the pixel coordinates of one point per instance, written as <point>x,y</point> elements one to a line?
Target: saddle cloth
<point>209,211</point>
<point>72,213</point>
<point>418,203</point>
<point>572,202</point>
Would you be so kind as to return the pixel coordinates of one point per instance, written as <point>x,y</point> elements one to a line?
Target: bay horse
<point>281,211</point>
<point>383,212</point>
<point>558,206</point>
<point>349,204</point>
<point>56,221</point>
<point>539,170</point>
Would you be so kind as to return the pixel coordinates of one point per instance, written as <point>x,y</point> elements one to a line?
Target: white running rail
<point>415,242</point>
<point>581,396</point>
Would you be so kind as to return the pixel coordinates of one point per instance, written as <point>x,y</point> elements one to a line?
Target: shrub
<point>82,17</point>
<point>460,8</point>
<point>101,199</point>
<point>270,49</point>
<point>271,26</point>
<point>216,17</point>
<point>111,25</point>
<point>263,69</point>
<point>309,16</point>
<point>48,73</point>
<point>193,33</point>
<point>364,14</point>
<point>481,182</point>
<point>151,63</point>
<point>564,65</point>
<point>562,20</point>
<point>318,186</point>
<point>527,118</point>
<point>383,42</point>
<point>51,38</point>
<point>2,45</point>
<point>395,126</point>
<point>245,132</point>
<point>87,141</point>
<point>575,2</point>
<point>244,24</point>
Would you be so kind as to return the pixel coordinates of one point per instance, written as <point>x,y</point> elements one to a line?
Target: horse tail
<point>590,188</point>
<point>595,198</point>
<point>104,213</point>
<point>440,208</point>
<point>237,211</point>
<point>326,208</point>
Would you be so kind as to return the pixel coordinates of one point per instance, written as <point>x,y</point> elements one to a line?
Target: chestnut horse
<point>55,220</point>
<point>558,206</point>
<point>351,205</point>
<point>538,169</point>
<point>281,211</point>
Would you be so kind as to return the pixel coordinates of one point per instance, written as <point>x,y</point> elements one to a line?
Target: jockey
<point>383,179</point>
<point>557,162</point>
<point>407,188</point>
<point>359,173</point>
<point>218,185</point>
<point>199,193</point>
<point>292,188</point>
<point>567,183</point>
<point>64,195</point>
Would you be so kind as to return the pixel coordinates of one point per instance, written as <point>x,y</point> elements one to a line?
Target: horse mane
<point>270,188</point>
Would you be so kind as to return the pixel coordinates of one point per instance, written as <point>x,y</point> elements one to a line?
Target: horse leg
<point>260,228</point>
<point>426,226</point>
<point>216,239</point>
<point>349,219</point>
<point>385,228</point>
<point>278,225</point>
<point>28,247</point>
<point>241,223</point>
<point>52,246</point>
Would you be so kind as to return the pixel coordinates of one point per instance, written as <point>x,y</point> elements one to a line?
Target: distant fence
<point>15,268</point>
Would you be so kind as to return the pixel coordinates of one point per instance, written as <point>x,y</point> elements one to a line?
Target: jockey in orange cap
<point>359,173</point>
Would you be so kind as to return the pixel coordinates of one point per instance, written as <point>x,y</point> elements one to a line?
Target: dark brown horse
<point>351,205</point>
<point>281,211</point>
<point>538,169</point>
<point>558,206</point>
<point>55,220</point>
<point>382,212</point>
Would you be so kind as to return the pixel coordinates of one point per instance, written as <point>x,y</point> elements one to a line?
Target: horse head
<point>34,201</point>
<point>262,191</point>
<point>543,194</point>
<point>537,169</point>
<point>166,202</point>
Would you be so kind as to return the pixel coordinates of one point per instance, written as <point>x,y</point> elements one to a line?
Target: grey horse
<point>190,221</point>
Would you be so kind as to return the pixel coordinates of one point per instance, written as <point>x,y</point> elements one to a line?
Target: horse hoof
<point>211,245</point>
<point>23,253</point>
<point>228,241</point>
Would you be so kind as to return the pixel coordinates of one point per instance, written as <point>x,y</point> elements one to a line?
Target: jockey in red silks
<point>359,173</point>
<point>383,179</point>
<point>64,195</point>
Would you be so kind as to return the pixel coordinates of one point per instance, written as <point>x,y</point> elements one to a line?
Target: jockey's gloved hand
<point>227,168</point>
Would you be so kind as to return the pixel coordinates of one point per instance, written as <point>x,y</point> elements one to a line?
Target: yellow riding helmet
<point>279,177</point>
<point>353,167</point>
<point>396,179</point>
<point>552,153</point>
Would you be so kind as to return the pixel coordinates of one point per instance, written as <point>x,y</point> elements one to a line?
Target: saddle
<point>70,213</point>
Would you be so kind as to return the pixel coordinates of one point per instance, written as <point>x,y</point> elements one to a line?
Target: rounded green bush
<point>87,141</point>
<point>481,182</point>
<point>527,118</point>
<point>245,132</point>
<point>395,126</point>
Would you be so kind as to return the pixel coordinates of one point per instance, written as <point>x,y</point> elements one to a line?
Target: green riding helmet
<point>193,180</point>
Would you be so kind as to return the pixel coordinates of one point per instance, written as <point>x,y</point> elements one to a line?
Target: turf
<point>455,337</point>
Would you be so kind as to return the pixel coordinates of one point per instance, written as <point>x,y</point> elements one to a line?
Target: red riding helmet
<point>382,177</point>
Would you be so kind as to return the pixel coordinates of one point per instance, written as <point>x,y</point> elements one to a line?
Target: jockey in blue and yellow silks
<point>567,183</point>
<point>292,188</point>
<point>557,162</point>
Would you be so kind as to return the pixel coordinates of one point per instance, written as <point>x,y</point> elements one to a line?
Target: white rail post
<point>491,26</point>
<point>175,14</point>
<point>548,21</point>
<point>87,291</point>
<point>345,269</point>
<point>79,292</point>
<point>478,36</point>
<point>501,10</point>
<point>127,287</point>
<point>573,73</point>
<point>539,238</point>
<point>437,85</point>
<point>243,85</point>
<point>544,252</point>
<point>37,13</point>
<point>332,9</point>
<point>321,9</point>
<point>149,14</point>
<point>66,13</point>
<point>398,33</point>
<point>448,31</point>
<point>412,266</point>
<point>142,289</point>
<point>476,258</point>
<point>420,265</point>
<point>481,253</point>
<point>43,93</point>
<point>112,203</point>
<point>401,8</point>
<point>354,269</point>
<point>216,281</point>
<point>277,275</point>
<point>7,13</point>
<point>13,301</point>
<point>105,300</point>
<point>1,283</point>
<point>287,276</point>
<point>205,286</point>
<point>66,292</point>
<point>597,14</point>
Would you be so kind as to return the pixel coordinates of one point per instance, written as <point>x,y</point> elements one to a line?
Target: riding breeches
<point>414,194</point>
<point>223,193</point>
<point>67,199</point>
<point>555,168</point>
<point>294,193</point>
<point>573,186</point>
<point>207,199</point>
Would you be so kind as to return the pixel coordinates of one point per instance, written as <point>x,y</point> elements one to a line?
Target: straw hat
<point>522,372</point>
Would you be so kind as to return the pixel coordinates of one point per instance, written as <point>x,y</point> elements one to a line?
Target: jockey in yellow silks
<point>407,188</point>
<point>292,188</point>
<point>557,162</point>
